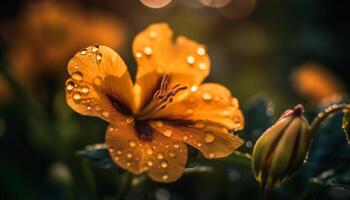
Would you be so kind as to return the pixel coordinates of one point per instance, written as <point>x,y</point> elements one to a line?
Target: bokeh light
<point>238,9</point>
<point>155,3</point>
<point>215,3</point>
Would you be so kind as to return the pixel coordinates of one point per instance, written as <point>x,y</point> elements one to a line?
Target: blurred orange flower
<point>44,36</point>
<point>152,120</point>
<point>316,84</point>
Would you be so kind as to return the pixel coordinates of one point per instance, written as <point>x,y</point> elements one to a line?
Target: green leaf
<point>346,126</point>
<point>98,155</point>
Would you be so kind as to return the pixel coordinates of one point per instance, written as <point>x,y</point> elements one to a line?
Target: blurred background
<point>272,54</point>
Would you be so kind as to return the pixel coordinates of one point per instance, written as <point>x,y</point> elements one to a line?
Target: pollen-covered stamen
<point>160,99</point>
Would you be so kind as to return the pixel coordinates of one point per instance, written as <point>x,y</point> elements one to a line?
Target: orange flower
<point>167,107</point>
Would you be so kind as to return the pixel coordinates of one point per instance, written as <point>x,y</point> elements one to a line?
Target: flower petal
<point>164,159</point>
<point>209,102</point>
<point>214,141</point>
<point>105,73</point>
<point>97,75</point>
<point>186,62</point>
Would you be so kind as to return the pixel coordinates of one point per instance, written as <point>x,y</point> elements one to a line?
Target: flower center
<point>161,98</point>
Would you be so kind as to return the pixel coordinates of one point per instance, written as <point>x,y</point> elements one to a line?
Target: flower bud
<point>281,150</point>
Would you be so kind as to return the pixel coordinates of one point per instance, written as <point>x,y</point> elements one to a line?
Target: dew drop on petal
<point>129,155</point>
<point>202,66</point>
<point>176,145</point>
<point>209,137</point>
<point>132,143</point>
<point>70,86</point>
<point>77,76</point>
<point>76,96</point>
<point>185,137</point>
<point>150,163</point>
<point>167,133</point>
<point>201,51</point>
<point>98,57</point>
<point>165,176</point>
<point>111,129</point>
<point>194,88</point>
<point>153,34</point>
<point>206,96</point>
<point>199,124</point>
<point>149,151</point>
<point>116,158</point>
<point>138,55</point>
<point>128,164</point>
<point>85,89</point>
<point>83,51</point>
<point>98,81</point>
<point>95,48</point>
<point>159,124</point>
<point>160,155</point>
<point>172,154</point>
<point>190,60</point>
<point>164,164</point>
<point>105,114</point>
<point>119,152</point>
<point>211,155</point>
<point>148,51</point>
<point>129,120</point>
<point>98,107</point>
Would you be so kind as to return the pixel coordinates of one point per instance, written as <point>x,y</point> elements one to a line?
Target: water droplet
<point>176,145</point>
<point>206,96</point>
<point>190,60</point>
<point>201,51</point>
<point>138,55</point>
<point>150,163</point>
<point>167,133</point>
<point>194,88</point>
<point>98,81</point>
<point>202,66</point>
<point>88,107</point>
<point>164,164</point>
<point>185,137</point>
<point>165,176</point>
<point>132,143</point>
<point>249,144</point>
<point>128,164</point>
<point>119,152</point>
<point>98,108</point>
<point>152,34</point>
<point>70,86</point>
<point>129,120</point>
<point>116,158</point>
<point>211,155</point>
<point>160,155</point>
<point>172,154</point>
<point>149,151</point>
<point>83,51</point>
<point>189,111</point>
<point>77,96</point>
<point>148,51</point>
<point>111,129</point>
<point>111,149</point>
<point>85,89</point>
<point>209,137</point>
<point>129,155</point>
<point>226,113</point>
<point>98,57</point>
<point>105,114</point>
<point>199,144</point>
<point>159,124</point>
<point>199,124</point>
<point>95,48</point>
<point>77,76</point>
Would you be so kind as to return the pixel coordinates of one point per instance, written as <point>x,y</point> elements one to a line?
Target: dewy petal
<point>209,102</point>
<point>186,62</point>
<point>213,140</point>
<point>97,75</point>
<point>162,158</point>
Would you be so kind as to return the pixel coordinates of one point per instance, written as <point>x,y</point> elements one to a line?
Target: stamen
<point>161,98</point>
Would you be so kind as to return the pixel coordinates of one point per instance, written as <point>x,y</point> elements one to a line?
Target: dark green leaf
<point>346,126</point>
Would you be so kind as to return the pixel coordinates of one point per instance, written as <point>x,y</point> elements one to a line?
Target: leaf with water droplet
<point>346,126</point>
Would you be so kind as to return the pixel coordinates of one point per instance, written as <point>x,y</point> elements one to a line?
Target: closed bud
<point>281,150</point>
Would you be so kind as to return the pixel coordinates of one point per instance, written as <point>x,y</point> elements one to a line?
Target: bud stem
<point>330,110</point>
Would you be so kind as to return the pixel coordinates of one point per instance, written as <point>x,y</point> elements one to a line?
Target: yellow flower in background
<point>318,85</point>
<point>151,121</point>
<point>43,38</point>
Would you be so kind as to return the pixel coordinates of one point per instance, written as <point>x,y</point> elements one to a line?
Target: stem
<point>336,108</point>
<point>124,185</point>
